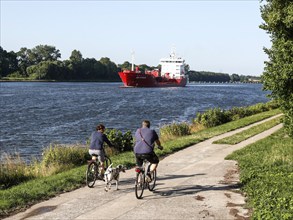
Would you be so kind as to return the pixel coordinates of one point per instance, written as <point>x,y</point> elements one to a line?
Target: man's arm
<point>158,142</point>
<point>107,141</point>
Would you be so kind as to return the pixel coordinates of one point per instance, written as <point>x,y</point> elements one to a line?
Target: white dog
<point>112,174</point>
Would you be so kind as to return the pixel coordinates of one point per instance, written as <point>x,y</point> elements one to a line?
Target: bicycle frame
<point>93,171</point>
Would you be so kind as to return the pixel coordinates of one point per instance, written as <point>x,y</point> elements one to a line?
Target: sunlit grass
<point>266,172</point>
<point>241,136</point>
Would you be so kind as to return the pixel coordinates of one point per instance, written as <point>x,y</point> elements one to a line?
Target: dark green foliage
<point>122,142</point>
<point>278,72</point>
<point>204,76</point>
<point>8,62</point>
<point>42,63</point>
<point>213,117</point>
<point>217,116</point>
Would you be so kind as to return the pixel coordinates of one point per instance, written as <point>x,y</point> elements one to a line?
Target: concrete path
<point>194,183</point>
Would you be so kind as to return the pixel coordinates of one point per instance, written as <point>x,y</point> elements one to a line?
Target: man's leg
<point>101,158</point>
<point>102,168</point>
<point>139,160</point>
<point>154,160</point>
<point>153,167</point>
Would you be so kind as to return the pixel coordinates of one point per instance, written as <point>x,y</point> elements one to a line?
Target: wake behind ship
<point>171,74</point>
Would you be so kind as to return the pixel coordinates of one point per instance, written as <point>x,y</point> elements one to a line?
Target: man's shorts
<point>151,157</point>
<point>99,153</point>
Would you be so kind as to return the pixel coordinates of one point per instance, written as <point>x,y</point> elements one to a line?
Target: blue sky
<point>218,36</point>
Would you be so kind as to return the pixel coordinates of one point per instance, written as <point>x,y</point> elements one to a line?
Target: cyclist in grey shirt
<point>145,139</point>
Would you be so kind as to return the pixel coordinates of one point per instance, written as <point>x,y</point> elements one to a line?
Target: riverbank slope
<point>194,183</point>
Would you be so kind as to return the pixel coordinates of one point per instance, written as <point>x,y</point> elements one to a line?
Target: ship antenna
<point>132,60</point>
<point>173,51</point>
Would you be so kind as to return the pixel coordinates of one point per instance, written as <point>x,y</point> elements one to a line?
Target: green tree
<point>235,77</point>
<point>48,70</point>
<point>76,57</point>
<point>44,53</point>
<point>125,66</point>
<point>186,68</point>
<point>92,70</point>
<point>204,76</point>
<point>24,60</point>
<point>111,68</point>
<point>8,62</point>
<point>278,71</point>
<point>74,64</point>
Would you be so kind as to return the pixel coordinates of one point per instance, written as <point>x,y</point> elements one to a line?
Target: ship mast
<point>132,60</point>
<point>173,52</point>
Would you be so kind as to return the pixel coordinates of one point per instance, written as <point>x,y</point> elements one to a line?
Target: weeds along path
<point>194,183</point>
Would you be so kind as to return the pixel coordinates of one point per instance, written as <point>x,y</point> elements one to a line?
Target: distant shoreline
<point>24,80</point>
<point>105,81</point>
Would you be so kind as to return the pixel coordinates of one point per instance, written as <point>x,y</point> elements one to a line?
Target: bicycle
<point>140,181</point>
<point>92,172</point>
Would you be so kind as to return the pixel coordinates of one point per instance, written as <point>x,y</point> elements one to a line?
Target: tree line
<point>43,63</point>
<point>204,76</point>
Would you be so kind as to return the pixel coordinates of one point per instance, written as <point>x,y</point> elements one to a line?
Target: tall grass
<point>173,130</point>
<point>56,158</point>
<point>14,171</point>
<point>74,155</point>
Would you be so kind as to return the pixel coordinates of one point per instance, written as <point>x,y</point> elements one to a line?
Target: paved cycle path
<point>194,183</point>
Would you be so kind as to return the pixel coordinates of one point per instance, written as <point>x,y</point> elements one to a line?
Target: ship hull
<point>134,79</point>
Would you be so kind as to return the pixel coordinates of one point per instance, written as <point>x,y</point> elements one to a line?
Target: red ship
<point>172,74</point>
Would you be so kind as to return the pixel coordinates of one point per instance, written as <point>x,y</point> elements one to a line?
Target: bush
<point>238,112</point>
<point>213,117</point>
<point>122,142</point>
<point>175,130</point>
<point>216,116</point>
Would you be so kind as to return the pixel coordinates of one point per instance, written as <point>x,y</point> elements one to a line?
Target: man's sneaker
<point>149,177</point>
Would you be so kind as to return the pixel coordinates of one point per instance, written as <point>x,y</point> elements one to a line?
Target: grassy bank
<point>266,173</point>
<point>33,191</point>
<point>241,136</point>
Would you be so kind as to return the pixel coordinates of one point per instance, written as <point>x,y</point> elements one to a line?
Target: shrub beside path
<point>194,183</point>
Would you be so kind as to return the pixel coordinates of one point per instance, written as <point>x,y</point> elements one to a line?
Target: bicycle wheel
<point>152,184</point>
<point>139,185</point>
<point>107,162</point>
<point>91,174</point>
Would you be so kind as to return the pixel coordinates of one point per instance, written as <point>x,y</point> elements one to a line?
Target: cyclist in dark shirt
<point>97,146</point>
<point>145,139</point>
